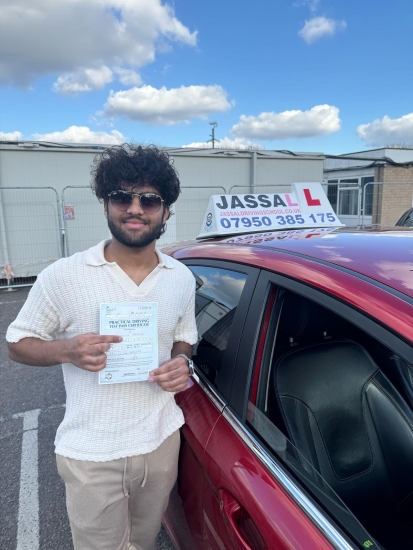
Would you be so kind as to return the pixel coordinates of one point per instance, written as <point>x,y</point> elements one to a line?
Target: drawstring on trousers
<point>145,475</point>
<point>125,491</point>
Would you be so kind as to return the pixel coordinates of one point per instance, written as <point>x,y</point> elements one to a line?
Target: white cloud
<point>387,130</point>
<point>82,134</point>
<point>11,136</point>
<point>163,106</point>
<point>39,37</point>
<point>83,81</point>
<point>320,26</point>
<point>226,143</point>
<point>320,120</point>
<point>128,77</point>
<point>311,4</point>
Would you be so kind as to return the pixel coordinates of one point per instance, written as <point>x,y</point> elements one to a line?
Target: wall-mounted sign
<point>69,212</point>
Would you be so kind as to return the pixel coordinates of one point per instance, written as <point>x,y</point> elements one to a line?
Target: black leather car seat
<point>403,377</point>
<point>301,322</point>
<point>348,420</point>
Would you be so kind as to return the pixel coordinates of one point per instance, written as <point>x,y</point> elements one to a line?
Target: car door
<point>266,466</point>
<point>249,501</point>
<point>223,294</point>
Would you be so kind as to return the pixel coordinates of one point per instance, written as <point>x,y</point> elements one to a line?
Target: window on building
<point>332,194</point>
<point>348,197</point>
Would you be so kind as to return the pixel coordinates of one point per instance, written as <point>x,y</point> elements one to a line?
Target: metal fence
<point>83,220</point>
<point>29,233</point>
<point>85,224</point>
<point>189,210</point>
<point>389,202</point>
<point>37,228</point>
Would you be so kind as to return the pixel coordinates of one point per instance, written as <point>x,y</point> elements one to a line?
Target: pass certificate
<point>132,359</point>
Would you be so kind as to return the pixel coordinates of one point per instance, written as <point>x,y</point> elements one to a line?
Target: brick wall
<point>391,201</point>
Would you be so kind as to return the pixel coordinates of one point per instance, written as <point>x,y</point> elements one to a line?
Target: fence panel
<point>387,202</point>
<point>189,211</point>
<point>84,221</point>
<point>85,225</point>
<point>29,233</point>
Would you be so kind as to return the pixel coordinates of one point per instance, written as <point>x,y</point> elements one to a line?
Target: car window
<point>309,478</point>
<point>295,328</point>
<point>218,292</point>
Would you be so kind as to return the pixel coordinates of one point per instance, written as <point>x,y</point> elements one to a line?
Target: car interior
<point>345,401</point>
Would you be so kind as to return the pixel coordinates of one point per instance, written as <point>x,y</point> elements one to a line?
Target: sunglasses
<point>121,200</point>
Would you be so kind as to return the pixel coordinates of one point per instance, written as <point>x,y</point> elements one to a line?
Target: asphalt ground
<point>24,389</point>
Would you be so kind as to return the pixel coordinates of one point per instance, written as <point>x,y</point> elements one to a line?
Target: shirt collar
<point>95,256</point>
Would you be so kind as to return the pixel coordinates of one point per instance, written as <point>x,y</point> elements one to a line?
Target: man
<point>117,446</point>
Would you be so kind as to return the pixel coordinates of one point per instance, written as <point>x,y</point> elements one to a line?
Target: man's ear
<point>105,209</point>
<point>166,214</point>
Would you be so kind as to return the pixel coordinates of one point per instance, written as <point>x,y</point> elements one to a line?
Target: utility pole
<point>214,125</point>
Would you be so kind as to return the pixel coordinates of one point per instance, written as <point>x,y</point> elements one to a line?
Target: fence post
<point>364,202</point>
<point>3,231</point>
<point>360,204</point>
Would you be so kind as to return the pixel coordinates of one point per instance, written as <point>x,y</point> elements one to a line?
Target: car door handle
<point>232,513</point>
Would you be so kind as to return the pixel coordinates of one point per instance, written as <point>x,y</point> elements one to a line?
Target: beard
<point>138,241</point>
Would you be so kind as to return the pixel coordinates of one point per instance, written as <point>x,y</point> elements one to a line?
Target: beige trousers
<point>118,505</point>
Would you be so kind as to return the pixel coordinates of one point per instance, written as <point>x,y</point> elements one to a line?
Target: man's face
<point>134,227</point>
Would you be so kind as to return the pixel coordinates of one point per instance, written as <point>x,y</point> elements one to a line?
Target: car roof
<point>384,254</point>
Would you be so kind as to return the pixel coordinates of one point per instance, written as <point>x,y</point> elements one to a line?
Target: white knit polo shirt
<point>106,422</point>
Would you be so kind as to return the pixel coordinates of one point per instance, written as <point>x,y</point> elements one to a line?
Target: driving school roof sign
<point>305,207</point>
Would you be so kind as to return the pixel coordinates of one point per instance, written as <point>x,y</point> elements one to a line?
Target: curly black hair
<point>128,164</point>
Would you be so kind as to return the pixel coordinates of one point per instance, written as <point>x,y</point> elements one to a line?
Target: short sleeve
<point>186,330</point>
<point>37,318</point>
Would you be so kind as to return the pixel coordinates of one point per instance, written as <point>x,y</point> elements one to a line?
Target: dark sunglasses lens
<point>121,201</point>
<point>151,203</point>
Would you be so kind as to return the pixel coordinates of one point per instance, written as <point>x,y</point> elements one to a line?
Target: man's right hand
<point>87,351</point>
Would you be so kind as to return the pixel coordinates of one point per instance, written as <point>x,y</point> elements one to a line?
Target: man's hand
<point>172,375</point>
<point>87,351</point>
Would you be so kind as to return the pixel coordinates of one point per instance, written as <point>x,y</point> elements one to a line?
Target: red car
<point>299,426</point>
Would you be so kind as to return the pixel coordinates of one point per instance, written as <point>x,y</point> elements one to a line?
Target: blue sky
<point>303,75</point>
